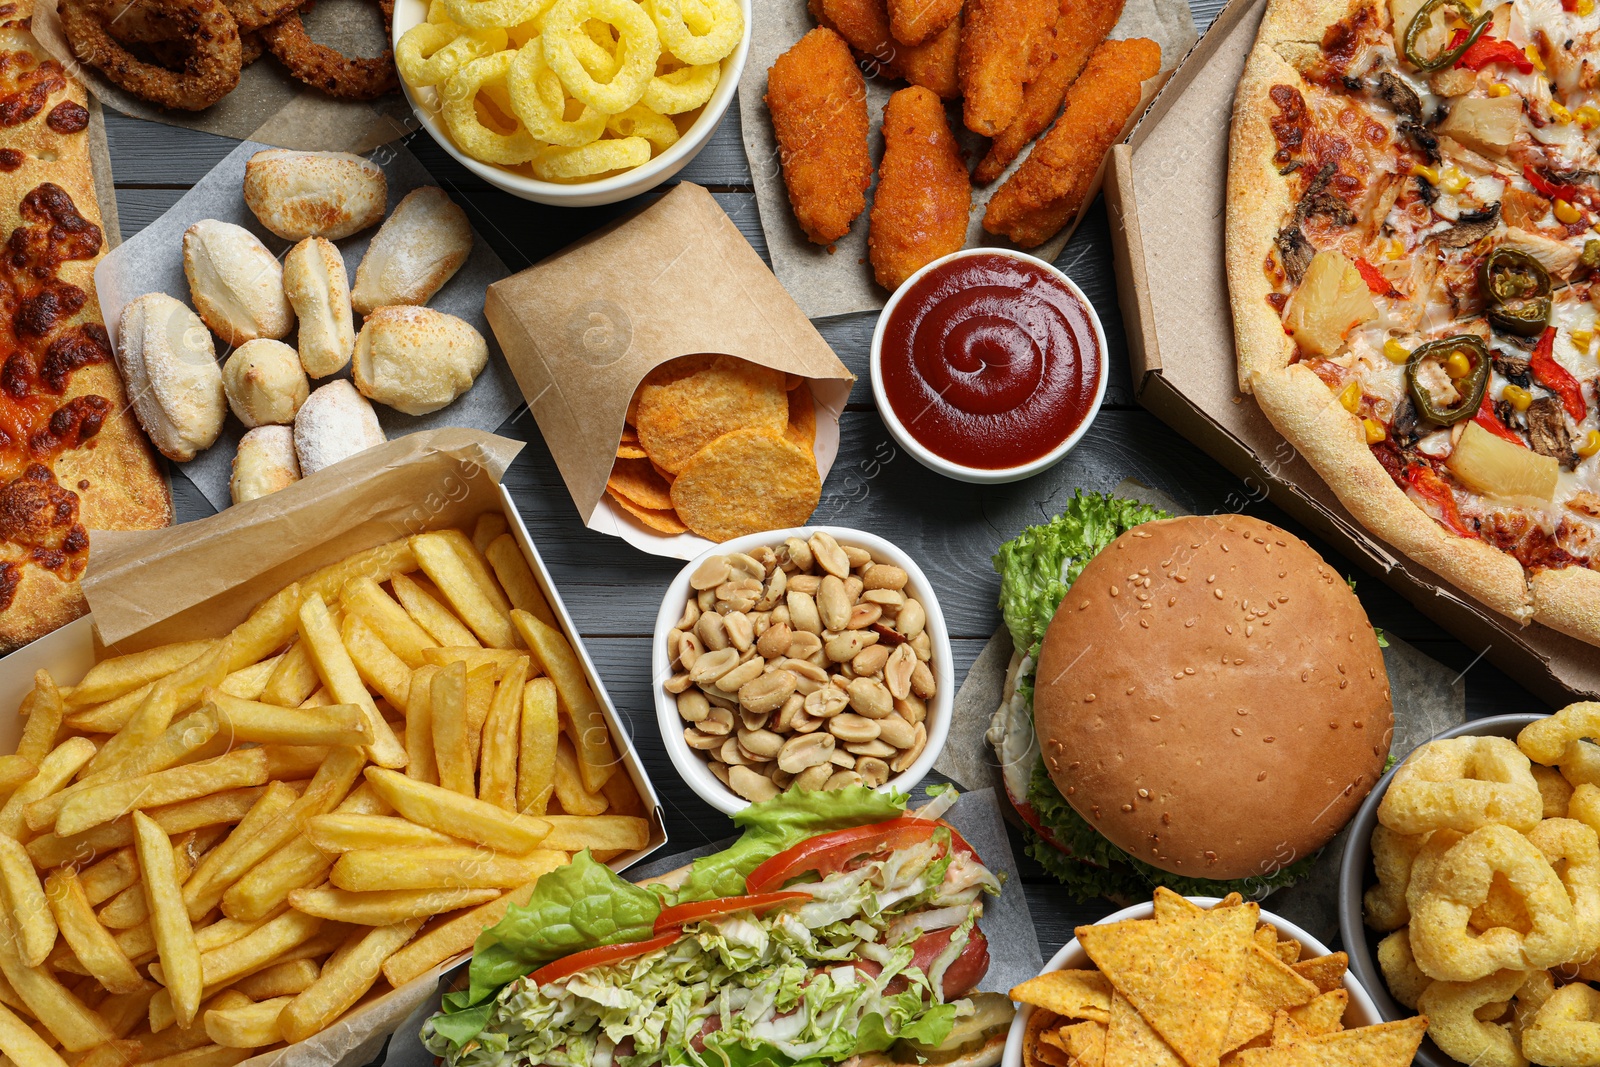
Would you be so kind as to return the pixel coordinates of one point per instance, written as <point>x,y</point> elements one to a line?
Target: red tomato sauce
<point>990,361</point>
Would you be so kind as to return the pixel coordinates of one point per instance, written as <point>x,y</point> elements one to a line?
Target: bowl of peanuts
<point>814,657</point>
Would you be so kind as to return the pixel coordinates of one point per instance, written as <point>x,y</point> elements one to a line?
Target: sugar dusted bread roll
<point>417,360</point>
<point>316,283</point>
<point>334,423</point>
<point>235,283</point>
<point>167,358</point>
<point>264,463</point>
<point>314,194</point>
<point>264,382</point>
<point>414,253</point>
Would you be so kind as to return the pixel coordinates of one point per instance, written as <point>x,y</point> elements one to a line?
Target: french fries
<point>213,847</point>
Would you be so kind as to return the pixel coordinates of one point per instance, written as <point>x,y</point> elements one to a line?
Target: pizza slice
<point>72,458</point>
<point>1412,263</point>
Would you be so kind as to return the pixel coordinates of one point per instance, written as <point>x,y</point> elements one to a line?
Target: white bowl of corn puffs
<point>592,102</point>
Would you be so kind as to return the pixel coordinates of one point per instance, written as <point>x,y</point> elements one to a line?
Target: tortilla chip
<point>1084,1044</point>
<point>1285,1029</point>
<point>1070,994</point>
<point>666,475</point>
<point>1323,1014</point>
<point>1130,1042</point>
<point>627,451</point>
<point>1181,974</point>
<point>1169,905</point>
<point>1051,1056</point>
<point>1040,1021</point>
<point>677,418</point>
<point>637,480</point>
<point>666,522</point>
<point>1385,1045</point>
<point>1266,985</point>
<point>745,482</point>
<point>1324,972</point>
<point>1266,938</point>
<point>1288,951</point>
<point>802,428</point>
<point>792,382</point>
<point>630,436</point>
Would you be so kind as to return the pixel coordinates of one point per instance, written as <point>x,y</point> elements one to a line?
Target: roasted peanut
<point>693,706</point>
<point>852,728</point>
<point>805,750</point>
<point>922,680</point>
<point>870,698</point>
<point>750,785</point>
<point>898,670</point>
<point>829,556</point>
<point>833,604</point>
<point>874,772</point>
<point>869,661</point>
<point>775,642</point>
<point>814,778</point>
<point>767,692</point>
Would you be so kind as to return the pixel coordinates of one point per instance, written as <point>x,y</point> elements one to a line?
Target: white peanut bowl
<point>959,471</point>
<point>694,768</point>
<point>609,190</point>
<point>1359,1012</point>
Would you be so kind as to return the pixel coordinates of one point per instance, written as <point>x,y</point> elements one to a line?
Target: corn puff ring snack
<point>700,43</point>
<point>1554,788</point>
<point>460,113</point>
<point>1546,740</point>
<point>597,51</point>
<point>601,157</point>
<point>640,121</point>
<point>1401,974</point>
<point>1444,946</point>
<point>494,14</point>
<point>429,52</point>
<point>1573,850</point>
<point>1462,783</point>
<point>1566,1031</point>
<point>683,89</point>
<point>1453,1023</point>
<point>1502,908</point>
<point>1580,763</point>
<point>1384,905</point>
<point>638,49</point>
<point>540,101</point>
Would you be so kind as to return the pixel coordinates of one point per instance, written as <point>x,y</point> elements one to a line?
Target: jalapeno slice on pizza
<point>1516,288</point>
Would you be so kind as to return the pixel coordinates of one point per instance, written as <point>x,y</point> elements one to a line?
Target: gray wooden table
<point>613,590</point>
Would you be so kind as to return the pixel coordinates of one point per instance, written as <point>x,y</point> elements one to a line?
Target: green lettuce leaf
<point>582,905</point>
<point>1039,564</point>
<point>782,822</point>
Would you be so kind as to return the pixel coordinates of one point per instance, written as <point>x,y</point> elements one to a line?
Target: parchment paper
<point>268,105</point>
<point>1428,698</point>
<point>837,280</point>
<point>582,328</point>
<point>152,260</point>
<point>1014,954</point>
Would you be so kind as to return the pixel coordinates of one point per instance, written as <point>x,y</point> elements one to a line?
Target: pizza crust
<point>1568,600</point>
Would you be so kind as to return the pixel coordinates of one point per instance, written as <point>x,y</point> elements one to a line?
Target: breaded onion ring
<point>209,73</point>
<point>351,78</point>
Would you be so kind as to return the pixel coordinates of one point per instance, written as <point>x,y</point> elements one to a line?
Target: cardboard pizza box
<point>1165,194</point>
<point>202,578</point>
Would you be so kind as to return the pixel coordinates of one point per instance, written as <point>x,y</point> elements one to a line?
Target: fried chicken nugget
<point>997,47</point>
<point>865,24</point>
<point>1052,183</point>
<point>924,196</point>
<point>1081,26</point>
<point>920,21</point>
<point>818,102</point>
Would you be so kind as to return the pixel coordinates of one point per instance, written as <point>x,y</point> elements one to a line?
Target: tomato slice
<point>829,853</point>
<point>599,957</point>
<point>701,910</point>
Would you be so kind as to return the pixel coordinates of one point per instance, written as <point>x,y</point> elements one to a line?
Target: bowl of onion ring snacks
<point>571,102</point>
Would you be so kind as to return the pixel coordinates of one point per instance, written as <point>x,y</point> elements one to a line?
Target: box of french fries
<point>297,758</point>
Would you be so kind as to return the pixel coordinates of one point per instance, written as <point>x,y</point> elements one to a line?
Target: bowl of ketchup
<point>988,365</point>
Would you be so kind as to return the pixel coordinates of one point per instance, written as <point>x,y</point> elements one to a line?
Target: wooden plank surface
<point>951,528</point>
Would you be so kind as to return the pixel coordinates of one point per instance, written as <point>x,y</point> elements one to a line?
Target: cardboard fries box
<point>202,578</point>
<point>1165,193</point>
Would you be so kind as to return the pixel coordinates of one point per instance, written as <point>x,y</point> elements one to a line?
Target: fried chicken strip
<point>1050,187</point>
<point>818,102</point>
<point>1081,25</point>
<point>924,196</point>
<point>997,47</point>
<point>917,22</point>
<point>865,24</point>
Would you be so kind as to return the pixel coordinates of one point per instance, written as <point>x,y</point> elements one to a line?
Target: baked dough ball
<point>314,194</point>
<point>316,284</point>
<point>414,253</point>
<point>264,463</point>
<point>334,423</point>
<point>417,360</point>
<point>167,358</point>
<point>235,283</point>
<point>264,382</point>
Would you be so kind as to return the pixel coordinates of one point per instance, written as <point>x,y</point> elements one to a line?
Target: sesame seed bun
<point>1212,698</point>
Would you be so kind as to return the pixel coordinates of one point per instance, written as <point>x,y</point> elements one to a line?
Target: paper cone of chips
<point>685,397</point>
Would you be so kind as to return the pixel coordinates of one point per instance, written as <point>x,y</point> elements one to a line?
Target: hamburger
<point>840,927</point>
<point>1194,702</point>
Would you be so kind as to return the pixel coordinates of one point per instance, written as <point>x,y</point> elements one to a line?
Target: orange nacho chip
<point>1040,1021</point>
<point>1384,1045</point>
<point>637,480</point>
<point>678,416</point>
<point>627,451</point>
<point>1324,972</point>
<point>1070,994</point>
<point>744,482</point>
<point>1130,1041</point>
<point>802,428</point>
<point>666,522</point>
